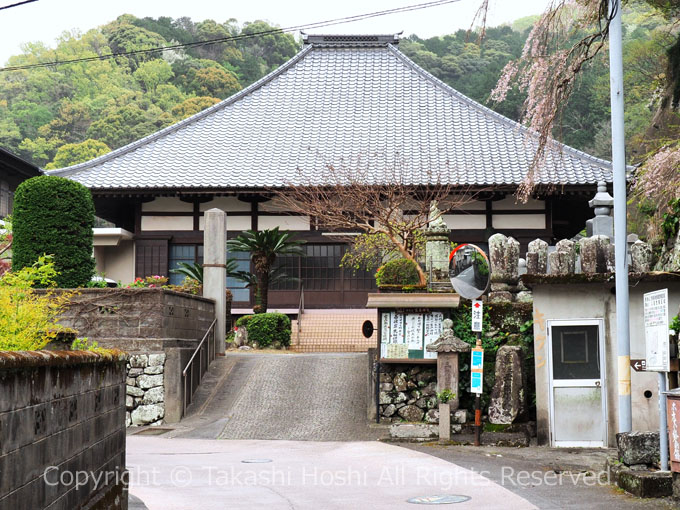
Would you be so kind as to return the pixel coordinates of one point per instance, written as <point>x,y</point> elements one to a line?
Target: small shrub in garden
<point>54,216</point>
<point>397,272</point>
<point>266,328</point>
<point>28,321</point>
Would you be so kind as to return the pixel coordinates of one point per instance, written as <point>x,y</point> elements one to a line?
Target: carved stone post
<point>447,347</point>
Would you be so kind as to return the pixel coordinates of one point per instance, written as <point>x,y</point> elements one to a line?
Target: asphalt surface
<point>187,474</point>
<point>550,478</point>
<point>307,414</point>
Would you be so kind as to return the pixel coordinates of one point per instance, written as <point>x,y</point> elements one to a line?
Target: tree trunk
<point>409,256</point>
<point>263,279</point>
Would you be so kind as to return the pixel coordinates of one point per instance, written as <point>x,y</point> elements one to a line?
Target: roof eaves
<point>179,125</point>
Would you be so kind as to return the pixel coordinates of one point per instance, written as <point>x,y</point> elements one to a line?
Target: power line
<point>16,4</point>
<point>194,44</point>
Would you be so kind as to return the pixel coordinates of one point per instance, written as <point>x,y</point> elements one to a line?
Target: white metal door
<point>578,410</point>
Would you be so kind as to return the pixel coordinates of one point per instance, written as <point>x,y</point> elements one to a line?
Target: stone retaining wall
<point>146,322</point>
<point>145,393</point>
<point>62,412</point>
<point>408,393</point>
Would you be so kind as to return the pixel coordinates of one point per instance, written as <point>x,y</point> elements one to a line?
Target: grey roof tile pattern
<point>337,103</point>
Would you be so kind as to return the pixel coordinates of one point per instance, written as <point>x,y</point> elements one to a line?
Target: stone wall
<point>145,393</point>
<point>139,320</point>
<point>408,393</point>
<point>62,412</point>
<point>146,322</point>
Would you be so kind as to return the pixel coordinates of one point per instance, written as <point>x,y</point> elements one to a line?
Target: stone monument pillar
<point>215,270</point>
<point>603,222</point>
<point>437,249</point>
<point>447,347</point>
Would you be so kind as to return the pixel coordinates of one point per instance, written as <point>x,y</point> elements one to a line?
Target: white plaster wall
<point>151,223</point>
<point>507,221</point>
<point>116,262</point>
<point>234,223</point>
<point>511,203</point>
<point>283,222</point>
<point>167,204</point>
<point>465,221</point>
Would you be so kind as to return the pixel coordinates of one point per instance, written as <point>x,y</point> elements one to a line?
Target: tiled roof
<point>343,100</point>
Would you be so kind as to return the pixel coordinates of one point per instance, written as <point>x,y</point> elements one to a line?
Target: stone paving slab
<point>181,474</point>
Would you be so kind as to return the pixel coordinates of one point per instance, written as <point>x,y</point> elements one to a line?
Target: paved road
<point>550,478</point>
<point>187,474</point>
<point>307,397</point>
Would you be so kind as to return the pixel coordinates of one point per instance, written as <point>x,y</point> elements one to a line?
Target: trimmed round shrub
<point>54,216</point>
<point>266,328</point>
<point>397,272</point>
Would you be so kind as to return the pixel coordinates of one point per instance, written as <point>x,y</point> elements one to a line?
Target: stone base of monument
<point>640,481</point>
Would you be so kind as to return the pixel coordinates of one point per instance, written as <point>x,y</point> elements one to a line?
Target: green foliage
<point>671,220</point>
<point>192,106</point>
<point>675,324</point>
<point>192,270</point>
<point>266,328</point>
<point>54,216</point>
<point>84,344</point>
<point>28,321</point>
<point>397,272</point>
<point>368,252</point>
<point>264,246</point>
<point>445,396</point>
<point>74,153</point>
<point>120,100</point>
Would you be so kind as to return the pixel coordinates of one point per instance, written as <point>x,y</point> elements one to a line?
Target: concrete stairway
<point>333,331</point>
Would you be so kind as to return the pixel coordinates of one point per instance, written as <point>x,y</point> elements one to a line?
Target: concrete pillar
<point>447,376</point>
<point>215,269</point>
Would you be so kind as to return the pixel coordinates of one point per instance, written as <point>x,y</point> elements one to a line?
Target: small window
<point>575,352</point>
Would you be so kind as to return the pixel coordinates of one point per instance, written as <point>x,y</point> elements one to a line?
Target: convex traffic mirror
<point>469,271</point>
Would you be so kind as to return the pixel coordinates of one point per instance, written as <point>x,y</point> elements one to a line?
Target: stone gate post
<point>215,269</point>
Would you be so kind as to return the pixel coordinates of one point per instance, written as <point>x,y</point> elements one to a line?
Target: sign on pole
<point>477,314</point>
<point>656,331</point>
<point>476,369</point>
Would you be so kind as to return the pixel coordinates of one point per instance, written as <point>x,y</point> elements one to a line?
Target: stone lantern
<point>447,347</point>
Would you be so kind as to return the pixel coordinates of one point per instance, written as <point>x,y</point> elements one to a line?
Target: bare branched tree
<point>569,34</point>
<point>390,202</point>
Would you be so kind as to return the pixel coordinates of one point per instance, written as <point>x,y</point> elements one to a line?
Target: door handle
<point>597,383</point>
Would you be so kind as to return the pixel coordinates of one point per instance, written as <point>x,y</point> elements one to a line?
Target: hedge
<point>397,272</point>
<point>54,216</point>
<point>266,328</point>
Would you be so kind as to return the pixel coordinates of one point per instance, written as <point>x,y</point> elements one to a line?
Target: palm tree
<point>264,246</point>
<point>194,270</point>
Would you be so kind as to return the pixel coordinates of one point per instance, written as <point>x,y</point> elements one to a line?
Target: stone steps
<point>333,331</point>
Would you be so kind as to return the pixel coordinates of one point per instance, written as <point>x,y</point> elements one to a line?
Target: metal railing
<point>204,350</point>
<point>301,310</point>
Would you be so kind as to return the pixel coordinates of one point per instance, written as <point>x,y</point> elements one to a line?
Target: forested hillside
<point>59,115</point>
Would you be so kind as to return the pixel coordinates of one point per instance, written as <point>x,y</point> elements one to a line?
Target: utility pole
<point>620,230</point>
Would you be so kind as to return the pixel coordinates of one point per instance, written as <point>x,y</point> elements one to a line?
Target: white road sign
<point>656,331</point>
<point>477,314</point>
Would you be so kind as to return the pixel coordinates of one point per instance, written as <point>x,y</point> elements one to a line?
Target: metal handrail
<point>301,310</point>
<point>190,364</point>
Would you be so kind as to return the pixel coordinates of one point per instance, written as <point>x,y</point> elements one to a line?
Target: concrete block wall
<point>146,322</point>
<point>62,413</point>
<point>139,320</point>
